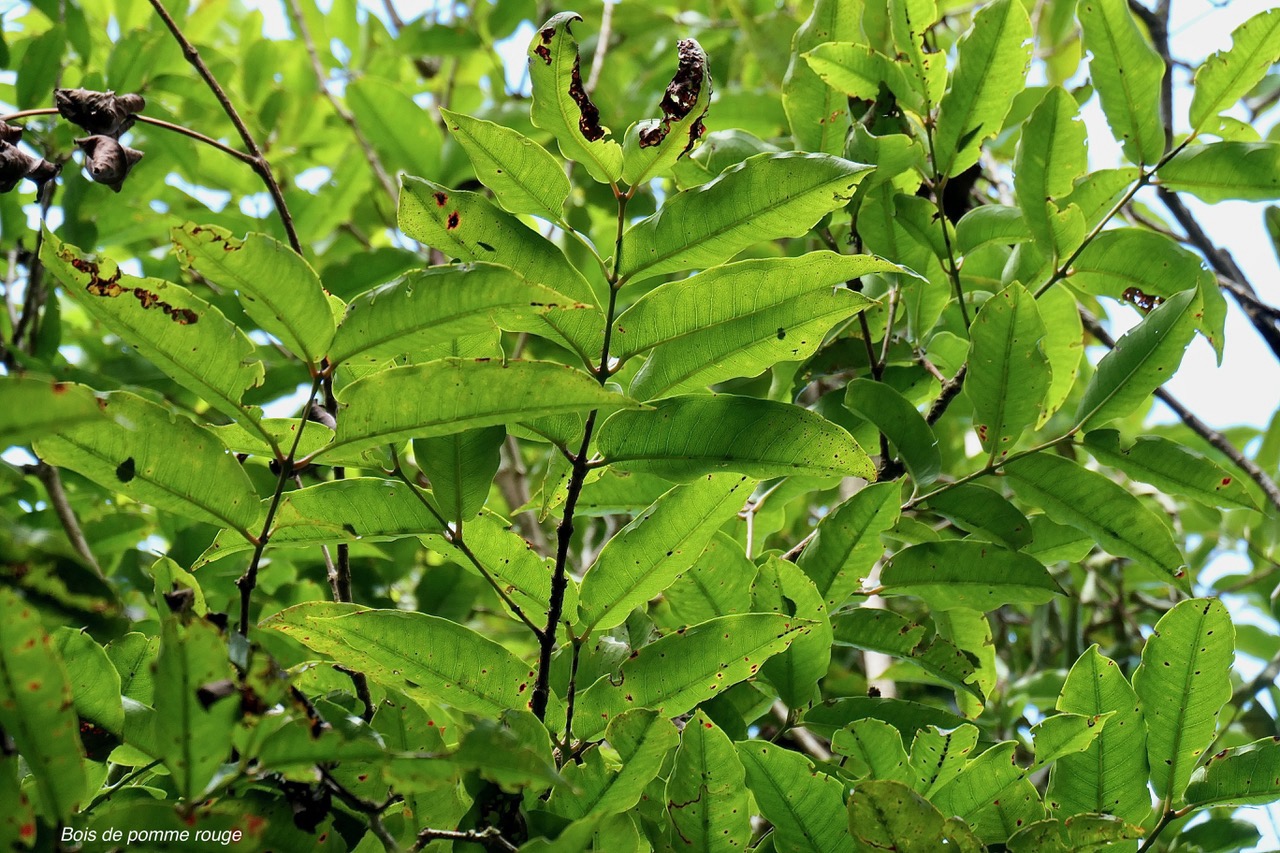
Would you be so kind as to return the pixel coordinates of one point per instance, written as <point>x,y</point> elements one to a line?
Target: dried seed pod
<point>99,113</point>
<point>16,164</point>
<point>107,160</point>
<point>10,132</point>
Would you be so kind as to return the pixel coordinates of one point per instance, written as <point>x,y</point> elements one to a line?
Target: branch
<point>602,46</point>
<point>48,475</point>
<point>259,161</point>
<point>490,836</point>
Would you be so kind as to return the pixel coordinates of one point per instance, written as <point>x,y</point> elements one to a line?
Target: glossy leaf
<point>1143,359</point>
<point>31,408</point>
<point>1051,155</point>
<point>974,575</point>
<point>985,513</point>
<point>158,457</point>
<point>1110,776</point>
<point>1246,775</point>
<point>1182,683</point>
<point>1170,467</point>
<point>888,633</point>
<point>642,740</point>
<point>686,436</point>
<point>804,805</point>
<point>524,177</point>
<point>887,815</point>
<point>991,68</point>
<point>651,147</point>
<point>817,114</point>
<point>1126,72</point>
<point>1249,171</point>
<point>681,670</point>
<point>277,287</point>
<point>562,106</point>
<point>36,708</point>
<point>664,541</point>
<point>706,794</point>
<point>427,658</point>
<point>1228,75</point>
<point>901,423</point>
<point>1009,374</point>
<point>453,395</point>
<point>1086,500</point>
<point>773,196</point>
<point>847,542</point>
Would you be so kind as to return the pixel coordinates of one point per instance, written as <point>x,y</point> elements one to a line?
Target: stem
<point>48,475</point>
<point>258,161</point>
<point>939,184</point>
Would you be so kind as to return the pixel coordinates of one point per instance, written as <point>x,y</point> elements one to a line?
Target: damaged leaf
<point>652,146</point>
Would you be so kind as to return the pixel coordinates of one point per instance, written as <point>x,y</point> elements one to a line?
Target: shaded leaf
<point>901,423</point>
<point>871,749</point>
<point>781,587</point>
<point>883,631</point>
<point>1170,467</point>
<point>887,815</point>
<point>938,755</point>
<point>804,805</point>
<point>642,739</point>
<point>968,574</point>
<point>31,408</point>
<point>706,794</point>
<point>847,542</point>
<point>984,513</point>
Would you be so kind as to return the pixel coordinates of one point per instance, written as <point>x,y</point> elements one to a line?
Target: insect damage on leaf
<point>589,123</point>
<point>110,288</point>
<point>681,96</point>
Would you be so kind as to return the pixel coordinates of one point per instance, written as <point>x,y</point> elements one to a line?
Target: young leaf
<point>160,458</point>
<point>901,423</point>
<point>847,542</point>
<point>681,670</point>
<point>780,587</point>
<point>1051,155</point>
<point>1171,468</point>
<point>887,815</point>
<point>975,575</point>
<point>524,177</point>
<point>664,541</point>
<point>1008,372</point>
<point>993,58</point>
<point>468,226</point>
<point>804,805</point>
<point>1228,75</point>
<point>686,436</point>
<point>1144,358</point>
<point>706,794</point>
<point>983,512</point>
<point>1246,775</point>
<point>871,749</point>
<point>31,408</point>
<point>765,197</point>
<point>642,739</point>
<point>1249,171</point>
<point>1126,72</point>
<point>1110,776</point>
<point>456,394</point>
<point>461,468</point>
<point>1183,682</point>
<point>36,708</point>
<point>1071,494</point>
<point>561,104</point>
<point>883,631</point>
<point>817,114</point>
<point>425,657</point>
<point>651,147</point>
<point>277,287</point>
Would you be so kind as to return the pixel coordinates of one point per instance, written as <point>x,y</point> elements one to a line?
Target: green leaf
<point>193,723</point>
<point>780,587</point>
<point>907,717</point>
<point>1170,467</point>
<point>1183,682</point>
<point>817,114</point>
<point>970,632</point>
<point>95,684</point>
<point>514,752</point>
<point>938,755</point>
<point>1081,833</point>
<point>1143,359</point>
<point>847,542</point>
<point>453,395</point>
<point>1126,72</point>
<point>277,287</point>
<point>887,815</point>
<point>883,631</point>
<point>468,226</point>
<point>852,69</point>
<point>991,223</point>
<point>991,67</point>
<point>367,509</point>
<point>764,197</point>
<point>36,708</point>
<point>1008,372</point>
<point>983,512</point>
<point>1110,776</point>
<point>642,739</point>
<point>1246,775</point>
<point>31,408</point>
<point>1228,75</point>
<point>18,821</point>
<point>1063,347</point>
<point>1071,494</point>
<point>1065,734</point>
<point>185,337</point>
<point>1249,171</point>
<point>989,783</point>
<point>524,177</point>
<point>871,749</point>
<point>683,669</point>
<point>663,542</point>
<point>718,584</point>
<point>1051,155</point>
<point>706,794</point>
<point>925,74</point>
<point>804,805</point>
<point>427,658</point>
<point>739,319</point>
<point>391,119</point>
<point>686,436</point>
<point>282,431</point>
<point>160,458</point>
<point>651,147</point>
<point>974,575</point>
<point>461,468</point>
<point>901,423</point>
<point>561,104</point>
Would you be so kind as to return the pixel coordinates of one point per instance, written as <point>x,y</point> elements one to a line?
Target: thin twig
<point>602,46</point>
<point>48,475</point>
<point>490,835</point>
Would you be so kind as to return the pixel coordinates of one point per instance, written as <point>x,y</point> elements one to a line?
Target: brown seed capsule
<point>99,113</point>
<point>10,132</point>
<point>16,164</point>
<point>107,160</point>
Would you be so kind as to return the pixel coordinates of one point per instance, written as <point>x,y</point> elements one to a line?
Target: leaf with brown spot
<point>651,147</point>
